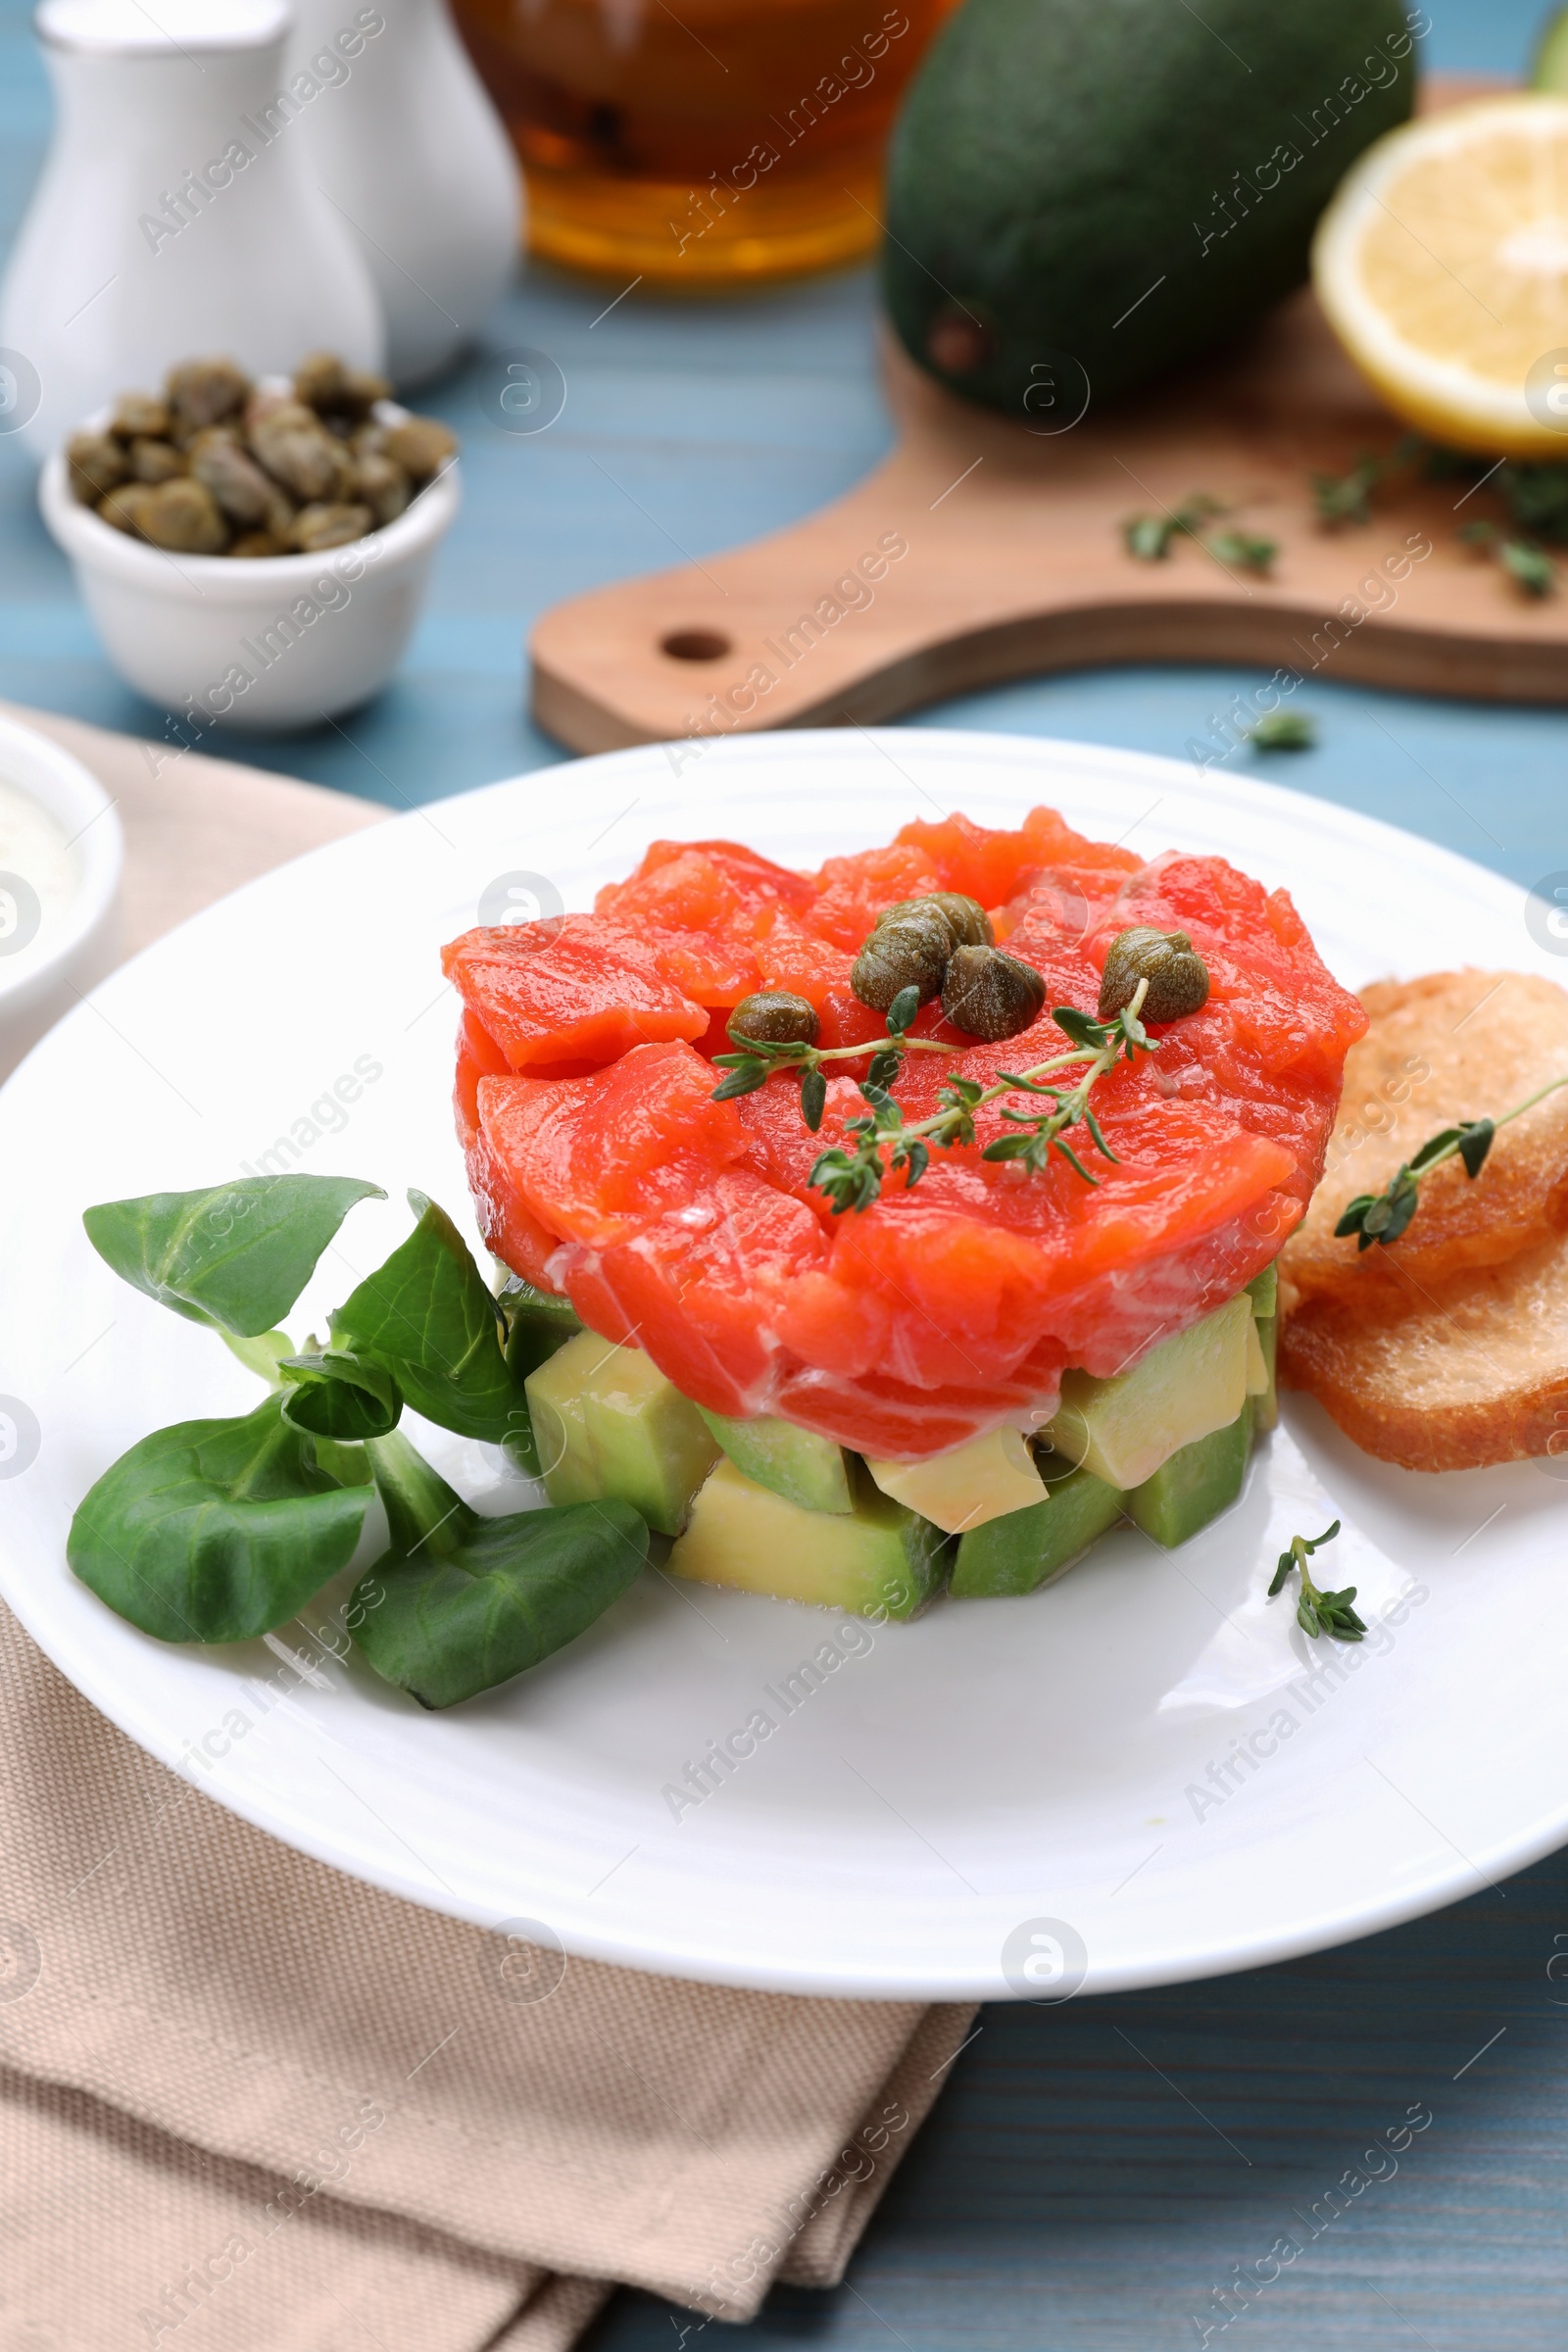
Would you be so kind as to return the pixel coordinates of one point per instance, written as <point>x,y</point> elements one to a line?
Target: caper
<point>1178,979</point>
<point>968,920</point>
<point>991,995</point>
<point>907,950</point>
<point>775,1018</point>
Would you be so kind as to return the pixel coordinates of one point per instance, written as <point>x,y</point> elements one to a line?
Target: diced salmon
<point>995,866</point>
<point>854,891</point>
<point>599,1157</point>
<point>571,989</point>
<point>693,1227</point>
<point>681,882</point>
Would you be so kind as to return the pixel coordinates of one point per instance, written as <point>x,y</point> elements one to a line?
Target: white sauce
<point>39,877</point>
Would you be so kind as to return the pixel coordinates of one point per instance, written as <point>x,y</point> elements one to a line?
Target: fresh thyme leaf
<point>762,1048</point>
<point>884,1071</point>
<point>1435,1148</point>
<point>745,1080</point>
<point>813,1098</point>
<point>916,1159</point>
<point>1101,1144</point>
<point>1474,1144</point>
<point>1390,1212</point>
<point>1471,1140</point>
<point>1070,1157</point>
<point>1317,1612</point>
<point>1079,1026</point>
<point>902,1009</point>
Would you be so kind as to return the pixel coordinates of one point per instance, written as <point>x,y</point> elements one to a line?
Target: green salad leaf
<point>538,1324</point>
<point>215,1531</point>
<point>345,1397</point>
<point>468,1602</point>
<point>237,1254</point>
<point>218,1531</point>
<point>430,1317</point>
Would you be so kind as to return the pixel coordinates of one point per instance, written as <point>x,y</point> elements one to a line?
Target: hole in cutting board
<point>695,645</point>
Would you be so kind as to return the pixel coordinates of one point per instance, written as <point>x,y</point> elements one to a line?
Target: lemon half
<point>1441,264</point>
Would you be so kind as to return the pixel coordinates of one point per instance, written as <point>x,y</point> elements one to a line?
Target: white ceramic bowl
<point>262,644</point>
<point>58,936</point>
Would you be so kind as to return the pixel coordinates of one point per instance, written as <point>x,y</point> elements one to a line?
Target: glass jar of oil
<point>699,145</point>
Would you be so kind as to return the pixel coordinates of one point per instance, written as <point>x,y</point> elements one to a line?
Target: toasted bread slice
<point>1452,1045</point>
<point>1472,1373</point>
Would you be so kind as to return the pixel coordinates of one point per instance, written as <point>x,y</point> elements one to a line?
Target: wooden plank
<point>986,548</point>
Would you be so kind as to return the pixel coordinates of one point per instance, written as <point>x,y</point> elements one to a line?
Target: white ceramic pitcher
<point>177,213</point>
<point>409,148</point>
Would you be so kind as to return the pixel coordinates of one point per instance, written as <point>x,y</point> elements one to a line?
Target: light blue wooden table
<point>1095,2173</point>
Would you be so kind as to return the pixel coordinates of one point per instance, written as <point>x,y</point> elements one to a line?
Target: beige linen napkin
<point>248,2102</point>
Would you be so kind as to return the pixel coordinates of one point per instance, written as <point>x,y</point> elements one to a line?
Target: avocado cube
<point>1182,1390</point>
<point>794,1462</point>
<point>1264,1291</point>
<point>1266,1403</point>
<point>1195,1485</point>
<point>987,1477</point>
<point>610,1426</point>
<point>1027,1548</point>
<point>875,1559</point>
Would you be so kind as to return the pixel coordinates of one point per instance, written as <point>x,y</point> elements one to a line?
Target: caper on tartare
<point>1177,977</point>
<point>991,995</point>
<point>775,1016</point>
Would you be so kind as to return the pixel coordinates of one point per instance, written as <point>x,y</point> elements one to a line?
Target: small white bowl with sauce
<point>61,855</point>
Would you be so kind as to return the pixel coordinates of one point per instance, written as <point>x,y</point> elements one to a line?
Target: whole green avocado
<point>1082,193</point>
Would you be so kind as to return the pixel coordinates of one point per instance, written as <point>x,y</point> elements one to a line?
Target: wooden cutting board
<point>1012,563</point>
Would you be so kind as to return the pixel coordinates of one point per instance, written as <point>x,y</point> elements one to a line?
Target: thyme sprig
<point>853,1178</point>
<point>1318,1612</point>
<point>1383,1217</point>
<point>754,1064</point>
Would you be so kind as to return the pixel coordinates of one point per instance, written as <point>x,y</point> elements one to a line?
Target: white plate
<point>957,1782</point>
